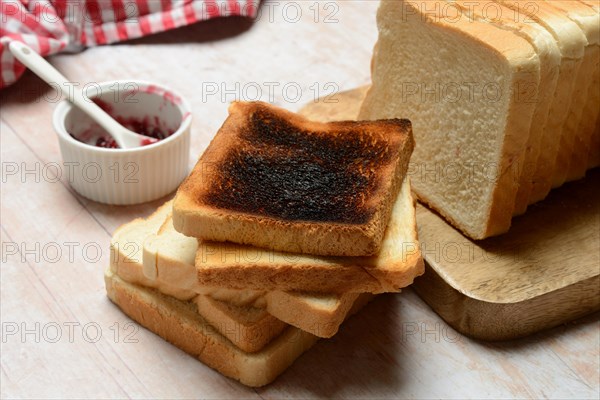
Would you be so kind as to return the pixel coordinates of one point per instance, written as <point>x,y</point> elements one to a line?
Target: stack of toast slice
<point>503,96</point>
<point>284,228</point>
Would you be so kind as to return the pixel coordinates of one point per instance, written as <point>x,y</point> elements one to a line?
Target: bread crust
<point>214,203</point>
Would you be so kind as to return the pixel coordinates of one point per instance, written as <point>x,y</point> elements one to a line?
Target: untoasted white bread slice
<point>470,90</point>
<point>540,137</point>
<point>589,22</point>
<point>179,323</point>
<point>398,263</point>
<point>273,179</point>
<point>170,258</point>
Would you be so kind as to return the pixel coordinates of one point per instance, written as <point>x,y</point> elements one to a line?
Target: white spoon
<point>124,137</point>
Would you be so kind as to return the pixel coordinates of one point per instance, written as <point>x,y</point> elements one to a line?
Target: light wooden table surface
<point>62,338</point>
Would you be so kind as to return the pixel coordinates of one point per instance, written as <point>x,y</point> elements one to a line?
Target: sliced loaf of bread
<point>567,102</point>
<point>589,21</point>
<point>540,136</point>
<point>471,121</point>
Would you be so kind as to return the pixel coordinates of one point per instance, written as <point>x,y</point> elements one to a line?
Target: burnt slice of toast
<point>273,179</point>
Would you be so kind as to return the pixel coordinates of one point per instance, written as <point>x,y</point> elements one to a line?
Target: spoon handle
<point>48,73</point>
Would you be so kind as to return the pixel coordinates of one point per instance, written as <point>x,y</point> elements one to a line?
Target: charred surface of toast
<point>285,172</point>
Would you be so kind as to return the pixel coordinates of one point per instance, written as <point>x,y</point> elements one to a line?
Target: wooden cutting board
<point>544,272</point>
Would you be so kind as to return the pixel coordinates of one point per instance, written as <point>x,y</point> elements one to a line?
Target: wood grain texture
<point>396,348</point>
<point>336,107</point>
<point>545,271</point>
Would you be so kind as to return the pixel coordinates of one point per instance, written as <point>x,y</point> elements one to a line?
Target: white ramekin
<point>126,176</point>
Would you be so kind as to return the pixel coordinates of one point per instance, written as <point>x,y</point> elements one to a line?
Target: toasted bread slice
<point>248,327</point>
<point>398,263</point>
<point>168,266</point>
<point>273,179</point>
<point>169,262</point>
<point>179,323</point>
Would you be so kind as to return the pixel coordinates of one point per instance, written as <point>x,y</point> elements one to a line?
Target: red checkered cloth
<point>51,26</point>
